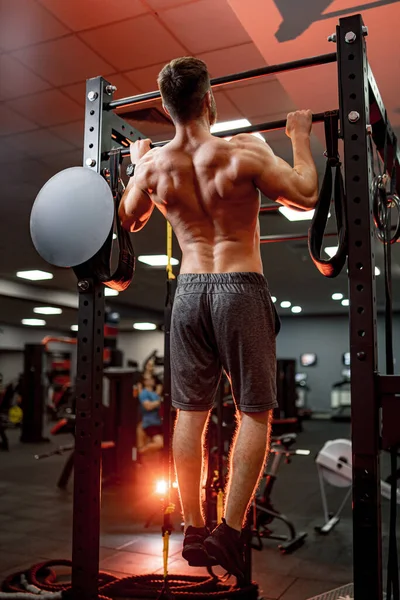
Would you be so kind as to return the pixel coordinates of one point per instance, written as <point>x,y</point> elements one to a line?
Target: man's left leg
<point>188,450</point>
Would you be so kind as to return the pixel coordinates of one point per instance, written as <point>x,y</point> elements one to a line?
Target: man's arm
<point>135,208</point>
<point>297,186</point>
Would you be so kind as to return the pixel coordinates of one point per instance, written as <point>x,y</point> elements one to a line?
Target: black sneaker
<point>193,547</point>
<point>225,545</point>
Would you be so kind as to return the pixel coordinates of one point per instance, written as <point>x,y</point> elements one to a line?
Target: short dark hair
<point>183,84</point>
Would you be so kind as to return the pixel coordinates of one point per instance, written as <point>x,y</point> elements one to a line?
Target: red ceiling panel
<point>24,22</point>
<point>233,60</point>
<point>266,98</point>
<point>48,108</point>
<point>39,143</point>
<point>125,87</point>
<point>64,61</point>
<point>135,43</point>
<point>205,25</point>
<point>71,132</point>
<point>12,122</point>
<point>93,13</point>
<point>16,80</point>
<point>146,79</point>
<point>164,4</point>
<point>226,110</point>
<point>7,152</point>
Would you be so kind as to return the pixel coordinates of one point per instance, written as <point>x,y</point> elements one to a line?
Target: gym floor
<point>36,522</point>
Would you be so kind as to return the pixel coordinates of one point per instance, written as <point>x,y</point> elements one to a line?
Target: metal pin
<point>110,89</point>
<point>350,37</point>
<point>90,162</point>
<point>332,38</point>
<point>83,285</point>
<point>353,116</point>
<point>92,96</point>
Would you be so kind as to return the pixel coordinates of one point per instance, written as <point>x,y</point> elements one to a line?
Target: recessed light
<point>47,310</point>
<point>273,298</point>
<point>286,304</point>
<point>377,271</point>
<point>337,296</point>
<point>331,250</point>
<point>296,215</point>
<point>33,322</point>
<point>345,302</point>
<point>157,260</point>
<point>35,275</point>
<point>144,326</point>
<point>110,292</point>
<point>74,327</point>
<point>296,309</point>
<point>235,124</point>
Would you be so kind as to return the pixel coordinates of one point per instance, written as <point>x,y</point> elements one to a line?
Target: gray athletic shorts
<point>223,321</point>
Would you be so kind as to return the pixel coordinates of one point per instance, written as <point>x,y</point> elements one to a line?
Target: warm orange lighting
<point>161,487</point>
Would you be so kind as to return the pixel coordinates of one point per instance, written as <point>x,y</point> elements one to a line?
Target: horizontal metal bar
<point>264,208</point>
<point>312,61</point>
<point>288,237</point>
<point>388,385</point>
<point>261,127</point>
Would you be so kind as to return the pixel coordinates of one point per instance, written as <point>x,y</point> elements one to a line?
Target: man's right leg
<point>248,454</point>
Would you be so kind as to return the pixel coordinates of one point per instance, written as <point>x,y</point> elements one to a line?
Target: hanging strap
<point>330,267</point>
<point>99,266</point>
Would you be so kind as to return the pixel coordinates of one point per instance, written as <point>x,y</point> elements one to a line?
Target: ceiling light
<point>47,310</point>
<point>286,304</point>
<point>74,327</point>
<point>157,260</point>
<point>345,302</point>
<point>235,124</point>
<point>273,298</point>
<point>337,296</point>
<point>35,275</point>
<point>33,322</point>
<point>296,309</point>
<point>331,250</point>
<point>296,215</point>
<point>377,271</point>
<point>110,292</point>
<point>144,326</point>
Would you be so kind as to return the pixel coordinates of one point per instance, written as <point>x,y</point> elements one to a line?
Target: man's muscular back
<point>207,193</point>
<point>208,189</point>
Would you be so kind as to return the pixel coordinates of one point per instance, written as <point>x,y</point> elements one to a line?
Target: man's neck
<point>192,132</point>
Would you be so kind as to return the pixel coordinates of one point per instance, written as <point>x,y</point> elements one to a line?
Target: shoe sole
<point>222,558</point>
<point>197,556</point>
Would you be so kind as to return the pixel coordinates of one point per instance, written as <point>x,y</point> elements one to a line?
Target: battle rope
<point>330,267</point>
<point>99,266</point>
<point>43,578</point>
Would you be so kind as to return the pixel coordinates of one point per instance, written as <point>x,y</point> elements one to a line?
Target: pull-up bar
<point>261,127</point>
<point>293,65</point>
<point>288,237</point>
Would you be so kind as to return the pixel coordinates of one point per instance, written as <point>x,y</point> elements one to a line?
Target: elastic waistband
<point>220,278</point>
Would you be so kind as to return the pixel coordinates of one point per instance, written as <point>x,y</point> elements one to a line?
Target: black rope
<point>181,587</point>
<point>333,266</point>
<point>99,266</point>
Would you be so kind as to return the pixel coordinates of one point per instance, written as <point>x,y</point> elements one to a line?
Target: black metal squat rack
<point>375,397</point>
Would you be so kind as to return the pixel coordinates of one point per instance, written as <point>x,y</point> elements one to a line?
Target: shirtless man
<point>223,316</point>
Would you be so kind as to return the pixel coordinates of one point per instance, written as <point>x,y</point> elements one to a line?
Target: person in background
<point>151,439</point>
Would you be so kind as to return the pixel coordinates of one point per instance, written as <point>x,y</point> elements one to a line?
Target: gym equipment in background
<point>341,398</point>
<point>264,512</point>
<point>334,464</point>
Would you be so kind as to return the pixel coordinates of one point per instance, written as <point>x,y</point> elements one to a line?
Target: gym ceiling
<point>48,48</point>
